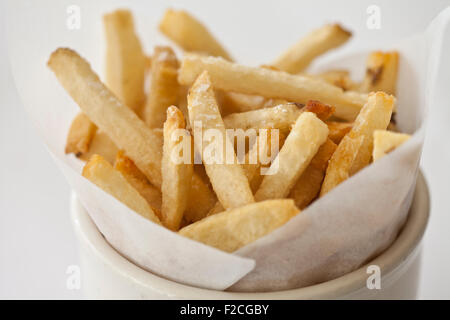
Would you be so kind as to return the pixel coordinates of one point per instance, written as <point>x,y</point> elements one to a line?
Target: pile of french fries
<point>314,130</point>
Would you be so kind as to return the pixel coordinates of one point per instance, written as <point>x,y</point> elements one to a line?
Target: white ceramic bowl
<point>106,274</point>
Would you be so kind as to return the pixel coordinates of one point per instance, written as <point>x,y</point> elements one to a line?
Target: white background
<point>37,243</point>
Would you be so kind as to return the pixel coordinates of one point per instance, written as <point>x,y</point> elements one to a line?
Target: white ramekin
<point>106,274</point>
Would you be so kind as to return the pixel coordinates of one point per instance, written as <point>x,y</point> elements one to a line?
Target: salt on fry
<point>355,150</point>
<point>233,229</point>
<point>227,177</point>
<point>280,117</point>
<point>176,177</point>
<point>302,143</point>
<point>101,173</point>
<point>273,84</point>
<point>164,88</point>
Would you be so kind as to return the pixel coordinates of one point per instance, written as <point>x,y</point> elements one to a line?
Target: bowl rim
<point>403,247</point>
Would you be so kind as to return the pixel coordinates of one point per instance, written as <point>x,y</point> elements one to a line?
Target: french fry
<point>253,159</point>
<point>102,145</point>
<point>273,84</point>
<point>138,181</point>
<point>342,162</point>
<point>148,63</point>
<point>233,229</point>
<point>124,128</point>
<point>280,117</point>
<point>101,173</point>
<point>253,163</point>
<point>355,150</point>
<point>386,141</point>
<point>302,143</point>
<point>182,103</point>
<point>233,102</point>
<point>190,34</point>
<point>307,187</point>
<point>125,60</point>
<point>80,136</point>
<point>319,41</point>
<point>201,200</point>
<point>321,110</point>
<point>337,130</point>
<point>122,125</point>
<point>228,180</point>
<point>177,178</point>
<point>338,78</point>
<point>381,72</point>
<point>164,88</point>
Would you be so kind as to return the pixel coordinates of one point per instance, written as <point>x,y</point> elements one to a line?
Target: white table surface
<point>37,243</point>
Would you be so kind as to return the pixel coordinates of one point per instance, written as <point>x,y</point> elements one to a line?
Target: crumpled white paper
<point>354,222</point>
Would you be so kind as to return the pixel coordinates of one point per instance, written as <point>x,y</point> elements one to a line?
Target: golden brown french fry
<point>190,34</point>
<point>201,200</point>
<point>102,145</point>
<point>177,177</point>
<point>253,159</point>
<point>137,180</point>
<point>273,84</point>
<point>317,42</point>
<point>253,163</point>
<point>182,103</point>
<point>81,132</point>
<point>125,129</point>
<point>280,117</point>
<point>268,148</point>
<point>302,143</point>
<point>125,60</point>
<point>392,125</point>
<point>342,162</point>
<point>101,173</point>
<point>386,141</point>
<point>321,110</point>
<point>355,150</point>
<point>338,130</point>
<point>227,177</point>
<point>381,72</point>
<point>148,63</point>
<point>164,88</point>
<point>307,187</point>
<point>122,125</point>
<point>233,229</point>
